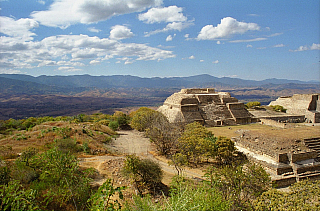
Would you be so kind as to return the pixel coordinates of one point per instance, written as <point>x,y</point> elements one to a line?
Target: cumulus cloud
<point>226,28</point>
<point>249,46</point>
<point>63,13</point>
<point>172,15</point>
<point>170,37</point>
<point>218,42</point>
<point>201,60</point>
<point>18,28</point>
<point>314,46</point>
<point>68,50</point>
<point>165,14</point>
<point>192,57</point>
<point>119,32</point>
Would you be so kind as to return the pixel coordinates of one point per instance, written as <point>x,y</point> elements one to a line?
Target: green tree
<point>143,118</point>
<point>196,143</point>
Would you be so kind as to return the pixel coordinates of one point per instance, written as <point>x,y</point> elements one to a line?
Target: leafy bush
<point>278,108</point>
<point>114,125</point>
<point>252,104</point>
<point>303,195</point>
<point>144,173</point>
<point>184,195</point>
<point>103,199</point>
<point>62,182</point>
<point>14,197</point>
<point>240,184</point>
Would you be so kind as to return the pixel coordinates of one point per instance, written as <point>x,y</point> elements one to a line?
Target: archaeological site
<point>287,159</point>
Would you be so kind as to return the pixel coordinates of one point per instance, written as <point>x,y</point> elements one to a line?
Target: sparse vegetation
<point>278,108</point>
<point>47,175</point>
<point>252,104</point>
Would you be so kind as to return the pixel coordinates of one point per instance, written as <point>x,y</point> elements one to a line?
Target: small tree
<point>142,118</point>
<point>144,173</point>
<point>196,143</point>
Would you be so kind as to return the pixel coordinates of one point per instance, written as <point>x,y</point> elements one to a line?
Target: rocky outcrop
<point>205,106</point>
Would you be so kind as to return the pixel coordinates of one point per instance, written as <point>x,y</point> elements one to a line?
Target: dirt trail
<point>131,142</point>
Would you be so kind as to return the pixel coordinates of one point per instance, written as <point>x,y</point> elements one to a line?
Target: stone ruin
<point>301,104</point>
<point>287,161</point>
<point>205,106</point>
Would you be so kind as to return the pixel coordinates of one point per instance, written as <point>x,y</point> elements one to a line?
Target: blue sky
<point>161,38</point>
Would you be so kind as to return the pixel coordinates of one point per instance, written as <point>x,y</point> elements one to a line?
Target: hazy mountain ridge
<point>128,81</point>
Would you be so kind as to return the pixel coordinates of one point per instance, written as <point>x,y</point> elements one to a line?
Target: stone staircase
<point>314,143</point>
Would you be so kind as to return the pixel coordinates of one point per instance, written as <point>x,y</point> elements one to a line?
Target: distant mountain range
<point>23,96</point>
<point>10,83</point>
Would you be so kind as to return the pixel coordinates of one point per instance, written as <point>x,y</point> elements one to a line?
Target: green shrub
<point>145,173</point>
<point>278,108</point>
<point>114,125</point>
<point>253,104</point>
<point>103,199</point>
<point>14,197</point>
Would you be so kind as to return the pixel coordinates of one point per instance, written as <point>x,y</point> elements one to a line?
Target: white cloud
<point>227,27</point>
<point>63,13</point>
<point>10,71</point>
<point>201,60</point>
<point>164,14</point>
<point>119,32</point>
<point>249,46</point>
<point>215,62</point>
<point>41,2</point>
<point>95,62</point>
<point>69,69</point>
<point>279,46</point>
<point>68,50</point>
<point>192,57</point>
<point>250,40</point>
<point>171,26</point>
<point>172,15</point>
<point>314,46</point>
<point>93,29</point>
<point>218,42</point>
<point>18,28</point>
<point>262,48</point>
<point>170,37</point>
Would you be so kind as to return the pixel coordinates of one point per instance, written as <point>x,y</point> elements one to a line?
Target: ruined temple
<point>205,106</point>
<point>301,104</point>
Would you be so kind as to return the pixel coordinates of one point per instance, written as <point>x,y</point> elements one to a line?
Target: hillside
<point>25,96</point>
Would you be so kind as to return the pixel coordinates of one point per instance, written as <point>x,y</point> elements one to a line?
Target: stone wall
<point>206,105</point>
<point>301,104</point>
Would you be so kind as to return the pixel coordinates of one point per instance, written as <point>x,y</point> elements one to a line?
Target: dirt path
<point>133,142</point>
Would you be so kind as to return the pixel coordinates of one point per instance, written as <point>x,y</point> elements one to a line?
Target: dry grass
<point>42,136</point>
